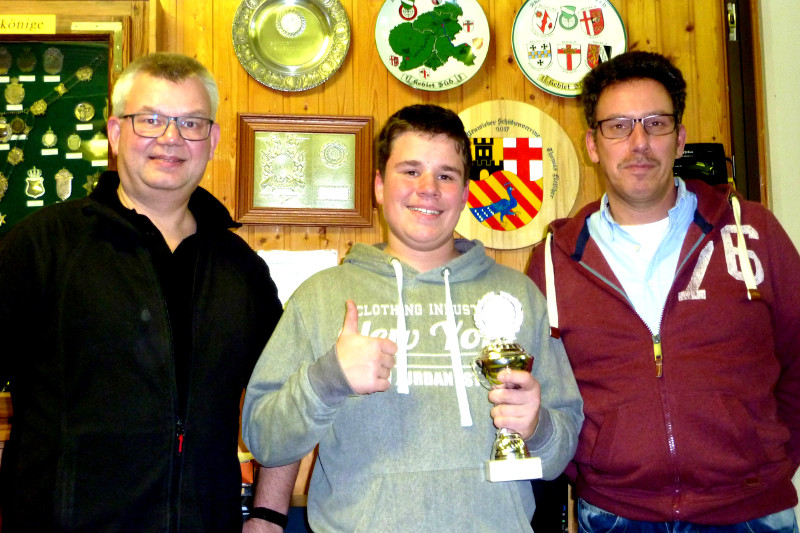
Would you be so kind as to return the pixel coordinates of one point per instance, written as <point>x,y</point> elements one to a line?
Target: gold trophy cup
<point>498,317</point>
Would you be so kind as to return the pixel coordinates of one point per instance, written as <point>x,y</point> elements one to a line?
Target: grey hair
<point>168,66</point>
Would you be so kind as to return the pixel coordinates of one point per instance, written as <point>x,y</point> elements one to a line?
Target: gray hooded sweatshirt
<point>411,458</point>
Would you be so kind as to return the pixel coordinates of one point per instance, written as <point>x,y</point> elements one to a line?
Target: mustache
<point>639,160</point>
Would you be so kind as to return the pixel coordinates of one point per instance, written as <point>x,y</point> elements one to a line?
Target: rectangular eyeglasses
<point>622,127</point>
<point>155,125</point>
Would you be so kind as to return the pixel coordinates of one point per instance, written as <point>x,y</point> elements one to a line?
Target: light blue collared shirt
<point>644,258</point>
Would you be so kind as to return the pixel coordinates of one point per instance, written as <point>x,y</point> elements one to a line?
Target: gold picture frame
<point>304,170</point>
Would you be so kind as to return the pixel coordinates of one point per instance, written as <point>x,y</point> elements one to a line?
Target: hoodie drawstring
<point>550,287</point>
<point>455,354</point>
<point>744,259</point>
<point>402,334</point>
<point>451,345</point>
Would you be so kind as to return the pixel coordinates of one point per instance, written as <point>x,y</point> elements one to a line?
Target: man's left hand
<point>261,526</point>
<point>517,402</point>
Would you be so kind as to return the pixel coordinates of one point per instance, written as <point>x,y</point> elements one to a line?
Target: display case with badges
<point>55,101</point>
<point>56,77</point>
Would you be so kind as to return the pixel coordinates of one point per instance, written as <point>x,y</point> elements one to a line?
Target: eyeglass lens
<point>619,128</point>
<point>190,128</point>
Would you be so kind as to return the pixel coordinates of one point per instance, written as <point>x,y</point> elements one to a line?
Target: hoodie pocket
<point>713,442</point>
<point>444,500</point>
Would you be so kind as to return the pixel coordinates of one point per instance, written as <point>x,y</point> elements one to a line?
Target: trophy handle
<point>477,370</point>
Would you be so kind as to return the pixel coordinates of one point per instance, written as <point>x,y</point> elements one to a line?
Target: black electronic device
<point>703,161</point>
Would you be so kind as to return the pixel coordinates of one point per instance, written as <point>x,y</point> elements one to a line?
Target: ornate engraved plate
<point>556,42</point>
<point>432,45</point>
<point>291,45</point>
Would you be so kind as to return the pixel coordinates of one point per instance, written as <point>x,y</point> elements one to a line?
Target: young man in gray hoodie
<point>371,360</point>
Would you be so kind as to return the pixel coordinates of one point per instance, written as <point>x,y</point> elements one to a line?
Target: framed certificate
<point>304,170</point>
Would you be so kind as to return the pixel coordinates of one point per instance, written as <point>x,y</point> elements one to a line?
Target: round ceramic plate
<point>556,44</point>
<point>432,45</point>
<point>291,45</point>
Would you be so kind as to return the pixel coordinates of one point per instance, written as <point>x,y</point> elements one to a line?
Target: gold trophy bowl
<point>510,459</point>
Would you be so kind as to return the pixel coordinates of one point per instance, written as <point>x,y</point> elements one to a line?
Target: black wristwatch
<point>265,513</point>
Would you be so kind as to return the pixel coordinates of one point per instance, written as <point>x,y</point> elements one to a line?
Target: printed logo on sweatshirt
<point>433,367</point>
<point>694,290</point>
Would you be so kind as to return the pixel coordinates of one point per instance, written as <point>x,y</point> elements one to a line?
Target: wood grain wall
<point>691,32</point>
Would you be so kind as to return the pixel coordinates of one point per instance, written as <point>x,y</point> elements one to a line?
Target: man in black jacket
<point>130,322</point>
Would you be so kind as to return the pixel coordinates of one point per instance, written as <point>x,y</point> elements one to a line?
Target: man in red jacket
<point>679,306</point>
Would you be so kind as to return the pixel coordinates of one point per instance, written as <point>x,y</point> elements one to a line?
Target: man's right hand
<point>367,362</point>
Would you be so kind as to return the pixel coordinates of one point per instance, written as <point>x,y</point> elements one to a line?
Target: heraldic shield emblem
<point>525,174</point>
<point>505,191</point>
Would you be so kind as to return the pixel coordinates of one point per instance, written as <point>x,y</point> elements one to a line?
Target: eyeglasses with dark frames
<point>155,125</point>
<point>622,127</point>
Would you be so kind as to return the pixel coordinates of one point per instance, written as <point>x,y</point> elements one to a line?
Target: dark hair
<point>632,66</point>
<point>426,119</point>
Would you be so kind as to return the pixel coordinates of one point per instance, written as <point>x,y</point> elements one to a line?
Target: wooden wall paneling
<point>142,33</point>
<point>641,23</point>
<point>507,80</point>
<point>184,12</point>
<point>305,102</point>
<point>199,35</point>
<point>710,78</point>
<point>155,23</point>
<point>232,82</point>
<point>755,45</point>
<point>370,77</point>
<point>168,32</point>
<point>398,95</point>
<point>675,41</point>
<point>337,96</point>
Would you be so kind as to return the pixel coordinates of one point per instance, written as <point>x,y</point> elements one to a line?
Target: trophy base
<point>514,469</point>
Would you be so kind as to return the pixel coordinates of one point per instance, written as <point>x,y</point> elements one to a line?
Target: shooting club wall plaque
<point>525,173</point>
<point>556,42</point>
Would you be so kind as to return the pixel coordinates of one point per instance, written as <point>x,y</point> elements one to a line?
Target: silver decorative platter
<point>291,45</point>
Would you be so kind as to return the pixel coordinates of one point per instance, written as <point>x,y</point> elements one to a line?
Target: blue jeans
<point>592,519</point>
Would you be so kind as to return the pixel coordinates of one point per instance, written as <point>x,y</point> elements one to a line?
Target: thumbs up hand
<point>367,362</point>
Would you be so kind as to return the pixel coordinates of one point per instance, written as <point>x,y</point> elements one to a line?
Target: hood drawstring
<point>451,344</point>
<point>550,287</point>
<point>402,333</point>
<point>455,354</point>
<point>744,259</point>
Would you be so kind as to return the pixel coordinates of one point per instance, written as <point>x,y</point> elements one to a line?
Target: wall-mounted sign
<point>525,174</point>
<point>27,24</point>
<point>556,42</point>
<point>432,45</point>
